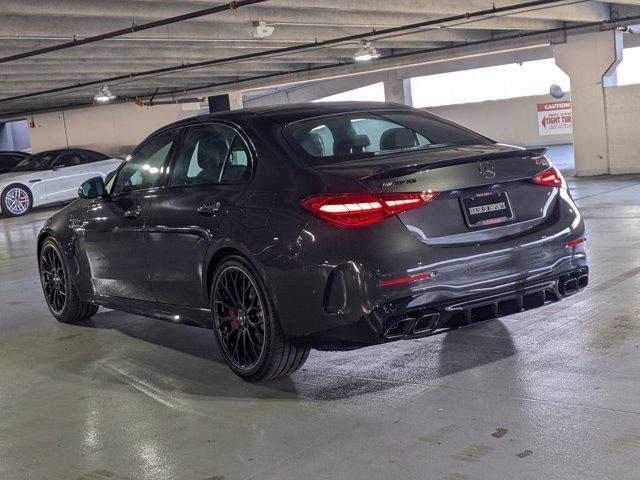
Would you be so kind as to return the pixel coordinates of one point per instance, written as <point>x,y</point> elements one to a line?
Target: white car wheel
<point>16,201</point>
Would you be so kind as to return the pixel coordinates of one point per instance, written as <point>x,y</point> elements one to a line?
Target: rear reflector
<point>360,209</point>
<point>397,281</point>
<point>575,242</point>
<point>551,177</point>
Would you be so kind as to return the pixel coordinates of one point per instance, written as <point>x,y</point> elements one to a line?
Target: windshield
<point>39,161</point>
<point>343,137</point>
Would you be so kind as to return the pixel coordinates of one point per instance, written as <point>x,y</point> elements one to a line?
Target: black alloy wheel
<point>239,318</point>
<point>54,281</point>
<point>59,291</point>
<point>246,326</point>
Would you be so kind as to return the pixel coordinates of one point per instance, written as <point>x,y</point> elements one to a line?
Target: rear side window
<point>333,138</point>
<point>70,159</point>
<point>211,153</point>
<point>92,156</point>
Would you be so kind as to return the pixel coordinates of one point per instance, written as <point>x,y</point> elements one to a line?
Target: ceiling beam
<point>381,64</point>
<point>73,70</point>
<point>62,27</point>
<point>583,12</point>
<point>314,15</point>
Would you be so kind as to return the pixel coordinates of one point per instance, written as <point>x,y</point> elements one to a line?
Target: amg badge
<point>398,182</point>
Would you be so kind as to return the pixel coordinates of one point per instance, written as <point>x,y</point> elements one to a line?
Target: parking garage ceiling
<point>27,25</point>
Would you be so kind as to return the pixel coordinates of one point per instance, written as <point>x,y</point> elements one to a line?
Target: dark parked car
<point>329,226</point>
<point>8,160</point>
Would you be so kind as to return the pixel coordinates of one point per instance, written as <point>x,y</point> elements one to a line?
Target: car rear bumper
<point>411,317</point>
<point>339,288</point>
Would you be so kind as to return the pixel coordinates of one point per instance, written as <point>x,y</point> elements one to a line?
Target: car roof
<point>291,112</point>
<point>13,152</point>
<point>54,151</point>
<point>58,151</point>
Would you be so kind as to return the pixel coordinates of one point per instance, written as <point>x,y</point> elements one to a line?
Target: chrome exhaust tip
<point>398,329</point>
<point>426,323</point>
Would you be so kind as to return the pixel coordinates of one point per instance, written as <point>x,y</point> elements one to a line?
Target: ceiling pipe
<point>133,28</point>
<point>285,50</point>
<point>236,84</point>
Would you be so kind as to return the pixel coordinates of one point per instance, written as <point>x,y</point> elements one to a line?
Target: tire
<point>238,325</point>
<point>16,200</point>
<point>59,291</point>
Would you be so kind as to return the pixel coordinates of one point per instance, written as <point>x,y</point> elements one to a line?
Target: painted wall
<point>622,106</point>
<point>513,121</point>
<point>111,129</point>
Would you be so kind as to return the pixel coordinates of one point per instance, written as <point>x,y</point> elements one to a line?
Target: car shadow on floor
<point>474,346</point>
<point>327,376</point>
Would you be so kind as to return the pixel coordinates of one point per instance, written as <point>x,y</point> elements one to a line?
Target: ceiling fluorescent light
<point>104,95</point>
<point>366,52</point>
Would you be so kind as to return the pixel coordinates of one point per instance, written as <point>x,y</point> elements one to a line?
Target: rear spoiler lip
<point>533,153</point>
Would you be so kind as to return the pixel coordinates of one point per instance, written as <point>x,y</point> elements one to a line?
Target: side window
<point>70,159</point>
<point>6,161</point>
<point>237,168</point>
<point>144,169</point>
<point>94,156</point>
<point>206,154</point>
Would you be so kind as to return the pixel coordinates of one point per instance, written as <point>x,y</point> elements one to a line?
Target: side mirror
<point>92,188</point>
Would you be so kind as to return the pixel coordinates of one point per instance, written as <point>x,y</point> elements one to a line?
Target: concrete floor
<point>550,393</point>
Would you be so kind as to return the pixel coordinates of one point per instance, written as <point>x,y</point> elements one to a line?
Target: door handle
<point>134,212</point>
<point>209,208</point>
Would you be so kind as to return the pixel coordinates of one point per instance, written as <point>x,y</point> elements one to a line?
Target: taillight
<point>575,243</point>
<point>360,209</point>
<point>551,177</point>
<point>411,278</point>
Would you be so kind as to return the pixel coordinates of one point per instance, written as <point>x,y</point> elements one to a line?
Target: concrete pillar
<point>397,90</point>
<point>590,60</point>
<point>235,100</point>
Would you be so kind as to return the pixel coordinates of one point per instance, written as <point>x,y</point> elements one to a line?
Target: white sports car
<point>50,177</point>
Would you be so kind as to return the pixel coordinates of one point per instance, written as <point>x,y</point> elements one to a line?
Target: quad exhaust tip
<point>409,325</point>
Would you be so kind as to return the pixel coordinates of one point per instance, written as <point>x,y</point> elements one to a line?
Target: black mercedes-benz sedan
<point>327,226</point>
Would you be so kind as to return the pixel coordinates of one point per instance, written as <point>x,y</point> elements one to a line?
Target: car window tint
<point>145,167</point>
<point>70,159</point>
<point>91,156</point>
<point>8,160</point>
<point>203,153</point>
<point>237,168</point>
<point>355,135</point>
<point>349,136</point>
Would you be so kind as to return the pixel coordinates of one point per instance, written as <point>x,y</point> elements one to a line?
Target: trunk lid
<point>485,191</point>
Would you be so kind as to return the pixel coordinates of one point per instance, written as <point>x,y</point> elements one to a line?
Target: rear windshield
<point>347,136</point>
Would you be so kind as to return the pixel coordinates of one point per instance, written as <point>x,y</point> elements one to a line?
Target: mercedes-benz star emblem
<point>487,170</point>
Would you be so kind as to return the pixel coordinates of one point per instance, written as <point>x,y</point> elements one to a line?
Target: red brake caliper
<point>234,323</point>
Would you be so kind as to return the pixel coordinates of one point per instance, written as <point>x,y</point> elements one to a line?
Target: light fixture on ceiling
<point>261,30</point>
<point>366,52</point>
<point>104,95</point>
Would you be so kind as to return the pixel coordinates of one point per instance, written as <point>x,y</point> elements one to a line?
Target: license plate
<point>487,208</point>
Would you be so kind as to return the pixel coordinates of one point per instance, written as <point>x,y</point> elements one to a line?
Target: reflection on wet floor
<point>548,393</point>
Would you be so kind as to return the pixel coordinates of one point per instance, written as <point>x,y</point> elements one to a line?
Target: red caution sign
<point>554,118</point>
